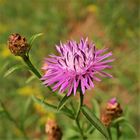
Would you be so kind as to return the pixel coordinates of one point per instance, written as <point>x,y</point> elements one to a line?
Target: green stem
<point>80,129</point>
<point>31,66</point>
<point>78,113</point>
<point>80,104</point>
<point>12,120</point>
<point>118,131</point>
<point>109,132</point>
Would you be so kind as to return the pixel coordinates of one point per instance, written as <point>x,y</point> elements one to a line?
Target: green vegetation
<point>112,24</point>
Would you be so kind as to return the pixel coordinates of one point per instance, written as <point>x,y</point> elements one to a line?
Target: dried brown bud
<point>112,111</point>
<point>18,45</point>
<point>53,130</point>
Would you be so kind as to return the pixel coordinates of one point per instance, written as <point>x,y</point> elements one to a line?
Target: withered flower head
<point>18,44</point>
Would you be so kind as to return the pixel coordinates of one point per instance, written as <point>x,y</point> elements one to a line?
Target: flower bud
<point>112,111</point>
<point>53,131</point>
<point>113,108</point>
<point>18,44</point>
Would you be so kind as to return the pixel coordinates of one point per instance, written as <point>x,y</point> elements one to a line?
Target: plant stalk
<point>118,131</point>
<point>109,132</point>
<point>26,59</point>
<point>77,115</point>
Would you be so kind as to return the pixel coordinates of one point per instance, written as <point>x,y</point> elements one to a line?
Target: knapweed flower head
<point>17,44</point>
<point>77,66</point>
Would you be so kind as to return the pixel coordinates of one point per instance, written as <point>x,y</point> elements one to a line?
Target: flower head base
<point>77,66</point>
<point>18,45</point>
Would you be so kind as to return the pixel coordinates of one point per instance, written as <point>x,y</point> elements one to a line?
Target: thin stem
<point>80,104</point>
<point>31,66</point>
<point>80,129</point>
<point>118,131</point>
<point>77,115</point>
<point>109,132</point>
<point>12,120</point>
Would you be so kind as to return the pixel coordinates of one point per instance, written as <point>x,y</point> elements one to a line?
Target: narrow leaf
<point>53,108</point>
<point>95,121</point>
<point>118,120</point>
<point>26,108</point>
<point>62,102</point>
<point>76,137</point>
<point>11,70</point>
<point>31,40</point>
<point>46,105</point>
<point>30,79</point>
<point>131,127</point>
<point>96,107</point>
<point>3,68</point>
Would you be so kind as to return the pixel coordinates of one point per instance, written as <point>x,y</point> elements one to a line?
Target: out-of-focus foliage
<point>113,24</point>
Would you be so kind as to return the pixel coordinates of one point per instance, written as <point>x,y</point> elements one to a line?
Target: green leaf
<point>30,79</point>
<point>53,108</point>
<point>49,107</point>
<point>95,121</point>
<point>96,107</point>
<point>3,68</point>
<point>26,108</point>
<point>131,127</point>
<point>32,39</point>
<point>11,70</point>
<point>62,102</point>
<point>123,120</point>
<point>76,137</point>
<point>118,120</point>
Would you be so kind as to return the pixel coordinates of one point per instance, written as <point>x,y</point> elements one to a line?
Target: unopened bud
<point>112,111</point>
<point>53,131</point>
<point>18,44</point>
<point>113,108</point>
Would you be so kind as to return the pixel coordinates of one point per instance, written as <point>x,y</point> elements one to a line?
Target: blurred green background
<point>108,23</point>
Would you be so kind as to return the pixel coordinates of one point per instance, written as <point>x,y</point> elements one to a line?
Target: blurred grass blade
<point>62,102</point>
<point>11,70</point>
<point>32,39</point>
<point>3,68</point>
<point>30,79</point>
<point>95,121</point>
<point>26,107</point>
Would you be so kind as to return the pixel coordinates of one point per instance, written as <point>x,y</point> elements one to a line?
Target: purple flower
<point>77,66</point>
